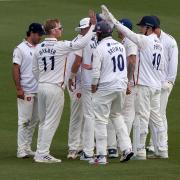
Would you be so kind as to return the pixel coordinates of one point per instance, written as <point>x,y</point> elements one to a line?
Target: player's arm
<point>16,74</point>
<point>35,67</point>
<point>68,46</point>
<point>173,63</point>
<point>130,71</point>
<point>131,52</point>
<point>96,69</point>
<point>74,70</point>
<point>138,39</point>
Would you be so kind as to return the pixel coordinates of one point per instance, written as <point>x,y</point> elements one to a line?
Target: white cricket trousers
<point>163,105</point>
<point>50,105</point>
<point>27,121</point>
<point>128,112</point>
<point>88,129</point>
<point>147,112</point>
<point>76,122</point>
<point>108,105</point>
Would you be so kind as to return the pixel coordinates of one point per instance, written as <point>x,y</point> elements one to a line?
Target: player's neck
<point>158,32</point>
<point>29,40</point>
<point>52,36</point>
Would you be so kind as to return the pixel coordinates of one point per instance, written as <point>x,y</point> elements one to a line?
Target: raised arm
<point>138,39</point>
<point>69,46</point>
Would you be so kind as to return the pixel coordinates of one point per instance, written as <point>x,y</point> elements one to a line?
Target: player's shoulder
<point>21,45</point>
<point>167,37</point>
<point>79,36</point>
<point>108,42</point>
<point>128,42</point>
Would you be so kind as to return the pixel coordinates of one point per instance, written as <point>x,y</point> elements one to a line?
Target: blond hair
<point>50,24</point>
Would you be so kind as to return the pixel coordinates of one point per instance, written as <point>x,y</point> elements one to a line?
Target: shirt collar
<point>28,43</point>
<point>50,39</point>
<point>110,37</point>
<point>160,37</point>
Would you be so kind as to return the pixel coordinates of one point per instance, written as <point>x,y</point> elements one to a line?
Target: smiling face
<point>142,29</point>
<point>53,28</point>
<point>57,31</point>
<point>146,30</point>
<point>84,30</point>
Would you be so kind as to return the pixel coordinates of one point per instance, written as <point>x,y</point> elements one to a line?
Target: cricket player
<point>86,69</point>
<point>128,110</point>
<point>48,67</point>
<point>147,102</point>
<point>26,88</point>
<point>169,75</point>
<point>109,83</point>
<point>76,116</point>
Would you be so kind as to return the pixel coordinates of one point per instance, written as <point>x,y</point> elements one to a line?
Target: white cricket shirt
<point>131,49</point>
<point>151,57</point>
<point>86,66</point>
<point>70,60</point>
<point>170,55</point>
<point>50,55</point>
<point>23,56</point>
<point>110,65</point>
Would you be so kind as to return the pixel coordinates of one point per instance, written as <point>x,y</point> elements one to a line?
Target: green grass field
<point>15,16</point>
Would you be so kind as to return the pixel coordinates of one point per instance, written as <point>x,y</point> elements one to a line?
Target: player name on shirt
<point>47,50</point>
<point>157,47</point>
<point>114,49</point>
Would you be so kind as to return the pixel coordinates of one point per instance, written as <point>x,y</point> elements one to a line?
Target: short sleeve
<point>131,49</point>
<point>79,53</point>
<point>17,56</point>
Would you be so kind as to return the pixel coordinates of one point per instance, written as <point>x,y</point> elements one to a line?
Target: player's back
<point>51,61</point>
<point>113,74</point>
<point>87,53</point>
<point>151,61</point>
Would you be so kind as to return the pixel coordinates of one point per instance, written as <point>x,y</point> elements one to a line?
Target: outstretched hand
<point>92,16</point>
<point>106,15</point>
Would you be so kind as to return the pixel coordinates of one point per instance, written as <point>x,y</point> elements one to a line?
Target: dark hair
<point>28,33</point>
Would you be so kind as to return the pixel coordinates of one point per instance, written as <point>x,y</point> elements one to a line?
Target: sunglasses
<point>60,28</point>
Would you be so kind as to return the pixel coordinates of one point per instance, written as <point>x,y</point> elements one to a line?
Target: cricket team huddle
<point>116,88</point>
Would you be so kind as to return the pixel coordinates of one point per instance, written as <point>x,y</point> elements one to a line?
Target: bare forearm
<point>93,88</point>
<point>16,76</point>
<point>131,66</point>
<point>76,64</point>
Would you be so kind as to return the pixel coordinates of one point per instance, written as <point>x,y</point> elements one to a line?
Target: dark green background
<point>15,16</point>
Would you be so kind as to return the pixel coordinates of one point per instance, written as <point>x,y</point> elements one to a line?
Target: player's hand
<point>167,85</point>
<point>93,88</point>
<point>70,84</point>
<point>92,16</point>
<point>106,15</point>
<point>128,90</point>
<point>20,94</point>
<point>78,95</point>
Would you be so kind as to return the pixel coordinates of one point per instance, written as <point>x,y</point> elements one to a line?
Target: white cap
<point>84,23</point>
